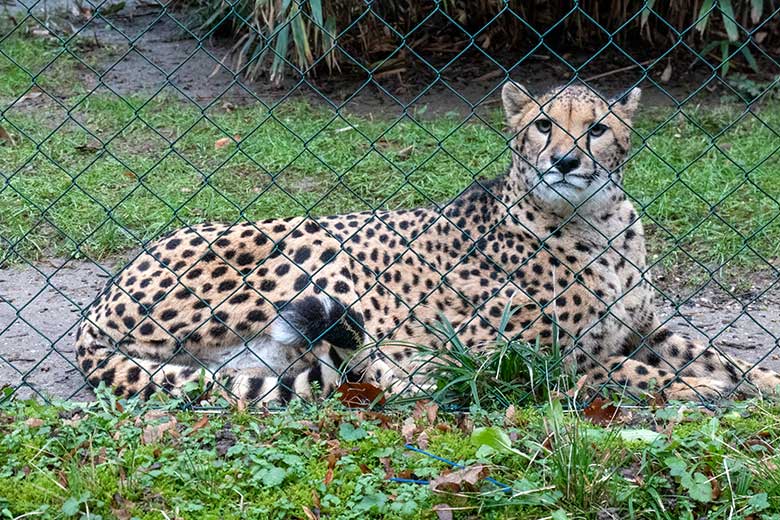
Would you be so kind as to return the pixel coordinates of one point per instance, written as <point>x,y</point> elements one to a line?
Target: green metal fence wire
<point>44,281</point>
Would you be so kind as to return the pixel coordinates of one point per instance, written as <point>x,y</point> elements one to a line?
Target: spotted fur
<point>283,306</point>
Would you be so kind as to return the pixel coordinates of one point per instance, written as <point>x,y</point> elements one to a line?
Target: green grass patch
<point>44,65</point>
<point>105,173</point>
<point>105,460</point>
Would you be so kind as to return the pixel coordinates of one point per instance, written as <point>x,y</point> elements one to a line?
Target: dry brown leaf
<point>62,479</point>
<point>121,514</point>
<point>34,422</point>
<point>666,75</point>
<point>422,441</point>
<point>225,439</point>
<point>408,429</point>
<point>151,415</point>
<point>404,153</point>
<point>202,422</point>
<point>360,395</point>
<point>572,392</point>
<point>602,412</point>
<point>385,421</point>
<point>760,442</point>
<point>328,476</point>
<point>5,136</point>
<point>465,479</point>
<point>154,432</point>
<point>509,415</point>
<point>221,143</point>
<point>120,507</point>
<point>431,411</point>
<point>310,514</point>
<point>419,409</point>
<point>91,146</point>
<point>101,456</point>
<point>716,491</point>
<point>389,472</point>
<point>32,94</point>
<point>465,424</point>
<point>443,511</point>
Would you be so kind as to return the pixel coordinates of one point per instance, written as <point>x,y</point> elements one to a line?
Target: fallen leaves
<point>361,395</point>
<point>509,415</point>
<point>464,479</point>
<point>601,412</point>
<point>201,423</point>
<point>32,94</point>
<point>153,433</point>
<point>335,452</point>
<point>416,428</point>
<point>34,422</point>
<point>6,137</point>
<point>443,511</point>
<point>225,141</point>
<point>408,429</point>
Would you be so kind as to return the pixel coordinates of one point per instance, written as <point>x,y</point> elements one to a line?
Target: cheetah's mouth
<point>570,180</point>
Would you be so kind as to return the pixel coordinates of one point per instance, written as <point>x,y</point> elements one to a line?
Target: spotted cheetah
<point>283,306</point>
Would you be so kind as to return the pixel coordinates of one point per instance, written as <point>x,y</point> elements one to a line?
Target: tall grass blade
<point>727,12</point>
<point>704,15</point>
<point>316,12</point>
<point>756,10</point>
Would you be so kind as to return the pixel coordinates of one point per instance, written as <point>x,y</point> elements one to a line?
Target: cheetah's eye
<point>543,125</point>
<point>597,129</point>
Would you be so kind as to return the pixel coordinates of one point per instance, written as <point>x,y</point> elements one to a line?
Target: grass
<point>509,371</point>
<point>105,173</point>
<point>127,460</point>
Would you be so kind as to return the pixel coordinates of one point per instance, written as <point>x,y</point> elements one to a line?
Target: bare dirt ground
<point>40,305</point>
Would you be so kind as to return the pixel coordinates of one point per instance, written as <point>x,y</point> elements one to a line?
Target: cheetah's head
<point>569,145</point>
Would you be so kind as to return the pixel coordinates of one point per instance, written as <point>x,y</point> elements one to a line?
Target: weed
<point>581,465</point>
<point>508,371</point>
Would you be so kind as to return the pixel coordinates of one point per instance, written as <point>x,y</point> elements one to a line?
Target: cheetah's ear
<point>515,98</point>
<point>626,105</point>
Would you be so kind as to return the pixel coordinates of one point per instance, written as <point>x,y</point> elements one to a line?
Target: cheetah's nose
<point>565,164</point>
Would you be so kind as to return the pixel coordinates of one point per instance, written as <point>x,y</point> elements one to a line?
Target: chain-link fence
<point>489,240</point>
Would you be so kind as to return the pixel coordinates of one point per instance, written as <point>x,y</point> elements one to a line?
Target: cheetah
<point>285,306</point>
